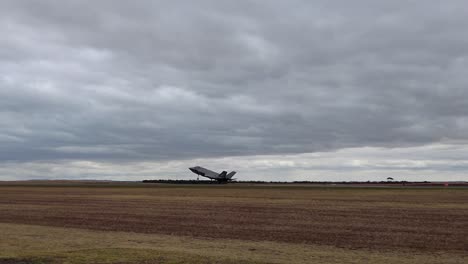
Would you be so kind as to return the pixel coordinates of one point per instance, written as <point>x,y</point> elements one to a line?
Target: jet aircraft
<point>222,177</point>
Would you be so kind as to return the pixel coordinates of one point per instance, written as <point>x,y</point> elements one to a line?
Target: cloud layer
<point>438,162</point>
<point>113,82</point>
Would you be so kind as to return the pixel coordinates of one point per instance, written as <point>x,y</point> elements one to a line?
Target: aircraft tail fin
<point>222,174</point>
<point>230,175</point>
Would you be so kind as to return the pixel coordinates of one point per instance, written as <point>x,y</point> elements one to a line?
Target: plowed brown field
<point>377,219</point>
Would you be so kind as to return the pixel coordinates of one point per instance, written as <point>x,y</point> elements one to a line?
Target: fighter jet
<point>222,177</point>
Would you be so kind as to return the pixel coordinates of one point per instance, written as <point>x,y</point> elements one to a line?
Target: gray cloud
<point>437,162</point>
<point>117,81</point>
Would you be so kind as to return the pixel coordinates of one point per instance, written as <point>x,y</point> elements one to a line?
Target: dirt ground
<point>356,218</point>
<point>380,219</point>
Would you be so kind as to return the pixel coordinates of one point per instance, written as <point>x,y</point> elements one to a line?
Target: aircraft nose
<point>193,169</point>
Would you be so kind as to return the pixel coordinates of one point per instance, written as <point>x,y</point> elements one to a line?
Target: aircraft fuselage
<point>222,177</point>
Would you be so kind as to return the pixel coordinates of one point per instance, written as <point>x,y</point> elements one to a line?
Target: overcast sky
<point>278,90</point>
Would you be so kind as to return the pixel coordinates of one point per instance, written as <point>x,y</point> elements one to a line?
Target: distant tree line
<point>287,182</point>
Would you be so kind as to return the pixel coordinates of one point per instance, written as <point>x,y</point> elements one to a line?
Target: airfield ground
<point>234,223</point>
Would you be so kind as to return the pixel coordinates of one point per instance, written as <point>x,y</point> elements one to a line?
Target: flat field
<point>234,223</point>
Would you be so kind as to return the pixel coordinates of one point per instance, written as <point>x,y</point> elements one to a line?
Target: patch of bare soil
<point>23,261</point>
<point>364,220</point>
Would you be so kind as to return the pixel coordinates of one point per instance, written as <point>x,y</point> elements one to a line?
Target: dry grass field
<point>137,223</point>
